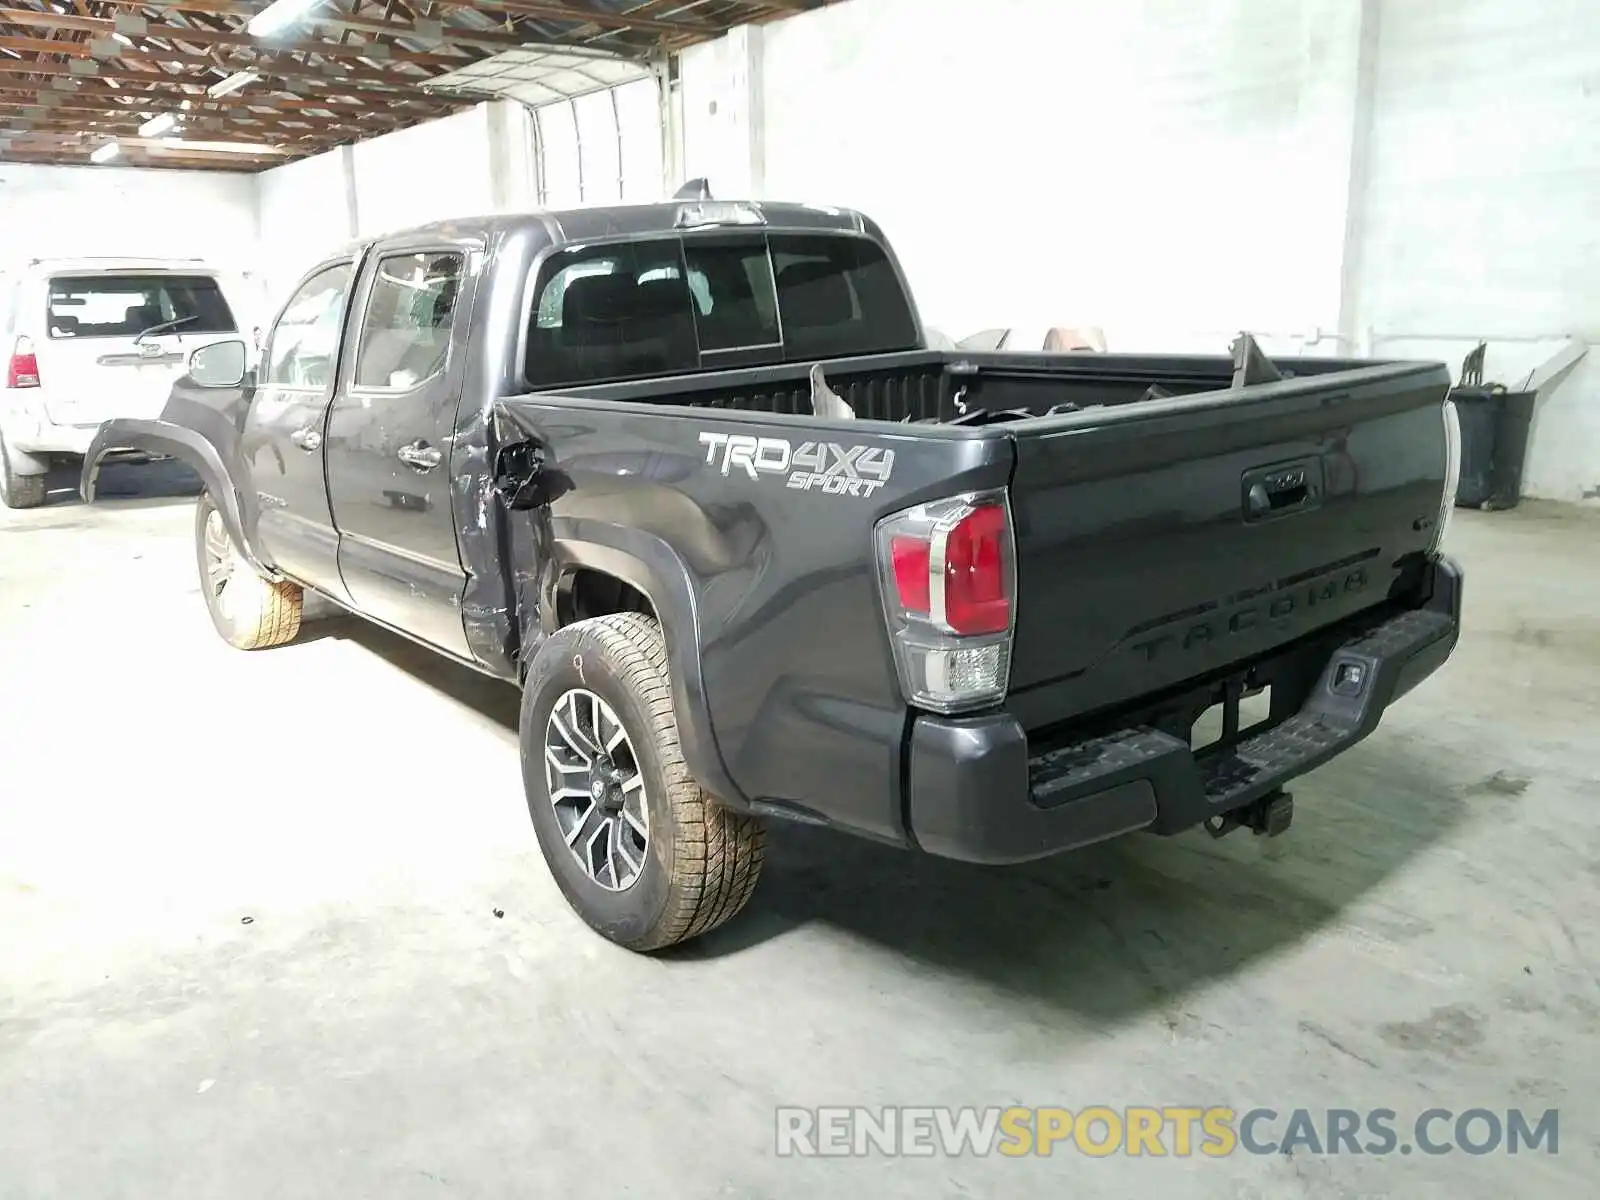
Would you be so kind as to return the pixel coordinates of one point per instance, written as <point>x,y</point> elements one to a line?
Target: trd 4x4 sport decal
<point>825,467</point>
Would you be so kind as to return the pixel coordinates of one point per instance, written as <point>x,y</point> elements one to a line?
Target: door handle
<point>420,456</point>
<point>307,439</point>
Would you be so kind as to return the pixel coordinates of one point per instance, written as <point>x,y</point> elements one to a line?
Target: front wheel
<point>250,612</point>
<point>639,850</point>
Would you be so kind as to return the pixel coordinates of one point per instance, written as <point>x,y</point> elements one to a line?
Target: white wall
<point>1481,214</point>
<point>474,162</point>
<point>1175,171</point>
<point>1139,166</point>
<point>48,212</point>
<point>438,169</point>
<point>306,211</point>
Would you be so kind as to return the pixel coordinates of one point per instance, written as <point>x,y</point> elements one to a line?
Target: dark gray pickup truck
<point>688,475</point>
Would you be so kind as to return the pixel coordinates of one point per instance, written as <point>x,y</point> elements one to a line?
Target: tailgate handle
<point>1286,488</point>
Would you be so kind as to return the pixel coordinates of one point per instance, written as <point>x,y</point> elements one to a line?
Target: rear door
<point>390,433</point>
<point>115,342</point>
<point>1165,541</point>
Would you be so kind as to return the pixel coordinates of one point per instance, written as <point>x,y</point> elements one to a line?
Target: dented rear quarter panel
<point>767,588</point>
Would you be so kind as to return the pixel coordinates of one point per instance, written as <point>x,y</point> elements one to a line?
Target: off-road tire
<point>702,860</point>
<point>19,491</point>
<point>250,612</point>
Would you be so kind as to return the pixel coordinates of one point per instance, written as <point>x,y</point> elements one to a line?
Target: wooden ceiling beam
<point>249,99</point>
<point>374,84</point>
<point>16,117</point>
<point>210,37</point>
<point>56,157</point>
<point>543,10</point>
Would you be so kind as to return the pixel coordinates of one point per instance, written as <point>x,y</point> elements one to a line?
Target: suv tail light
<point>948,575</point>
<point>22,371</point>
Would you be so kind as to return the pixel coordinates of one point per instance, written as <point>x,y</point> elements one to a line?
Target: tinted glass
<point>305,341</point>
<point>731,283</point>
<point>612,312</point>
<point>648,308</point>
<point>92,306</point>
<point>405,333</point>
<point>838,296</point>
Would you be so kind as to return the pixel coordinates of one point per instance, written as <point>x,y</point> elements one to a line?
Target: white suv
<point>86,340</point>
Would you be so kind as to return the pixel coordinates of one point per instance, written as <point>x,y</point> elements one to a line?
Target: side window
<point>405,332</point>
<point>305,341</point>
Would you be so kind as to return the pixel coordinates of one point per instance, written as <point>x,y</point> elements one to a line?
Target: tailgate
<point>1167,540</point>
<point>94,380</point>
<point>117,340</point>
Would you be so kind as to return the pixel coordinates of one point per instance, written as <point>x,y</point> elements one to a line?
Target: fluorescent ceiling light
<point>123,38</point>
<point>105,153</point>
<point>232,83</point>
<point>278,15</point>
<point>157,125</point>
<point>178,143</point>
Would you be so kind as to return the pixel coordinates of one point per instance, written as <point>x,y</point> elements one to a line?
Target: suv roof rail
<point>129,258</point>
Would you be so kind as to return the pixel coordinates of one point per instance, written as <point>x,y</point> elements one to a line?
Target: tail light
<point>22,370</point>
<point>1452,472</point>
<point>948,575</point>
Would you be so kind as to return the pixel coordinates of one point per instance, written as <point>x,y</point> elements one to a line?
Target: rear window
<point>673,305</point>
<point>99,306</point>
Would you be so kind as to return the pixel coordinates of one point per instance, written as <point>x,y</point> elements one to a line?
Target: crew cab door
<point>284,430</point>
<point>390,433</point>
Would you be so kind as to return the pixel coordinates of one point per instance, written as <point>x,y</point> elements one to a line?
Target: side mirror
<point>219,365</point>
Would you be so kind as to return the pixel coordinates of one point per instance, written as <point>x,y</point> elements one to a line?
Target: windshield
<point>673,305</point>
<point>101,306</point>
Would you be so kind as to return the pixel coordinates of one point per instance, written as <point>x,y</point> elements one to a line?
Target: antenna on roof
<point>695,189</point>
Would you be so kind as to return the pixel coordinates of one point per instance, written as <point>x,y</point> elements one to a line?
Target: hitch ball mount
<point>1270,815</point>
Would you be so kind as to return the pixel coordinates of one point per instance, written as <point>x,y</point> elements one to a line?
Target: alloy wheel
<point>597,789</point>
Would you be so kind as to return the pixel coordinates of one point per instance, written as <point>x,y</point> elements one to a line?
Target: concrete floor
<point>229,970</point>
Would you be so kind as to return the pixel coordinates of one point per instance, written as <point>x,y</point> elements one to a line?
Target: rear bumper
<point>977,793</point>
<point>29,428</point>
<point>58,439</point>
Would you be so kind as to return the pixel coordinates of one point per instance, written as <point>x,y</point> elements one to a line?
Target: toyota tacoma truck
<point>689,475</point>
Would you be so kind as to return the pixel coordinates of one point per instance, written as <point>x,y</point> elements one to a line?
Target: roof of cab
<point>566,226</point>
<point>91,265</point>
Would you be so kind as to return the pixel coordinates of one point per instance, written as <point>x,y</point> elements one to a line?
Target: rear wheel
<point>249,612</point>
<point>19,491</point>
<point>639,850</point>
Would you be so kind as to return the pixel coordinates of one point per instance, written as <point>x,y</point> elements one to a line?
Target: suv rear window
<point>98,306</point>
<point>672,305</point>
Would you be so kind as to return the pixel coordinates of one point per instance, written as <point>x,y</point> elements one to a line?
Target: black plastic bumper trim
<point>975,792</point>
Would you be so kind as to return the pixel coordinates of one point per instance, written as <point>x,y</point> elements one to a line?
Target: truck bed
<point>942,385</point>
<point>1143,572</point>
